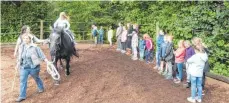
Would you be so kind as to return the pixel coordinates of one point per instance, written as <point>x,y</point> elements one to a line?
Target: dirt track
<point>103,76</point>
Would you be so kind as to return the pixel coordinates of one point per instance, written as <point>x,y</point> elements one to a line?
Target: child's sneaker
<point>156,67</point>
<point>199,100</point>
<point>164,73</point>
<point>177,82</point>
<point>160,72</point>
<point>190,99</point>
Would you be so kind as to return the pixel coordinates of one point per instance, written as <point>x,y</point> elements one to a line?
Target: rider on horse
<point>62,22</point>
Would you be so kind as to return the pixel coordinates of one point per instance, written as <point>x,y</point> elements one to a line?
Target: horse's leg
<point>67,66</point>
<point>61,64</point>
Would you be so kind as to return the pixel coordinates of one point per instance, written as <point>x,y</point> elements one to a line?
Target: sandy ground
<point>102,75</point>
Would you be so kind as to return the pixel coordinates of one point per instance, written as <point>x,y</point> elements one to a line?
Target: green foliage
<point>184,20</point>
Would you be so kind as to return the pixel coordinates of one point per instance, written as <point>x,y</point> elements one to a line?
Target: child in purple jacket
<point>189,53</point>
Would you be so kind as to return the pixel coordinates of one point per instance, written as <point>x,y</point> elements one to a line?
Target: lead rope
<point>51,69</point>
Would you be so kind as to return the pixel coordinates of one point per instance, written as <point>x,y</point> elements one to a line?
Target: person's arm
<point>168,50</point>
<point>179,52</point>
<point>17,46</point>
<point>36,40</point>
<point>191,59</point>
<point>68,25</point>
<point>56,23</point>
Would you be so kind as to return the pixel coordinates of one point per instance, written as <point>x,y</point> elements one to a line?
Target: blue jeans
<point>141,53</point>
<point>148,55</point>
<point>100,39</point>
<point>180,71</point>
<point>158,59</point>
<point>196,82</point>
<point>24,73</point>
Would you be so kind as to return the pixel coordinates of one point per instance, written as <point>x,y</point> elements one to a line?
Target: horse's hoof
<point>67,74</point>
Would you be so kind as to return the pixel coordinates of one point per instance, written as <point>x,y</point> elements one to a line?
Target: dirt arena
<point>102,75</point>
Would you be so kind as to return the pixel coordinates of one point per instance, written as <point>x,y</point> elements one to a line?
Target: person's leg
<point>151,56</point>
<point>95,40</point>
<point>135,53</point>
<point>101,39</point>
<point>147,54</point>
<point>180,71</point>
<point>35,74</point>
<point>23,82</point>
<point>170,70</point>
<point>193,86</point>
<point>157,59</point>
<point>199,82</point>
<point>203,80</point>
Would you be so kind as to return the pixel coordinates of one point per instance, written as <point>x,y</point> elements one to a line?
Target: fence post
<point>157,28</point>
<point>41,29</point>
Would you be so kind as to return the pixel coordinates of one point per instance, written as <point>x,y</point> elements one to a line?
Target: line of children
<point>195,59</point>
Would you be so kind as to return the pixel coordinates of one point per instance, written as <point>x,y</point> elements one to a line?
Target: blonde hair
<point>63,14</point>
<point>181,43</point>
<point>146,36</point>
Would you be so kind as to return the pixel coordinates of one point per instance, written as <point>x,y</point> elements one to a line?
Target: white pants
<point>110,41</point>
<point>188,73</point>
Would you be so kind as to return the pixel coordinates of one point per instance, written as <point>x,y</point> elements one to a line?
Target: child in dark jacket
<point>169,57</point>
<point>162,56</point>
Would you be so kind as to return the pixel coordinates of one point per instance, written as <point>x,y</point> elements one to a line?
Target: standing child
<point>169,57</point>
<point>110,35</point>
<point>141,48</point>
<point>197,63</point>
<point>162,56</point>
<point>179,60</point>
<point>159,41</point>
<point>134,45</point>
<point>123,39</point>
<point>149,47</point>
<point>189,53</point>
<point>101,33</point>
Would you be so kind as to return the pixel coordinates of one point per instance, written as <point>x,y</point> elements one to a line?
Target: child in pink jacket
<point>179,60</point>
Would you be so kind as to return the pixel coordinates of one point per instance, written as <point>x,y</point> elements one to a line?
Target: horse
<point>61,47</point>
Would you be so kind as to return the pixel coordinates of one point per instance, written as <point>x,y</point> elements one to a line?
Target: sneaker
<point>40,91</point>
<point>177,82</point>
<point>186,85</point>
<point>164,73</point>
<point>191,100</point>
<point>160,72</point>
<point>155,67</point>
<point>199,100</point>
<point>203,92</point>
<point>19,99</point>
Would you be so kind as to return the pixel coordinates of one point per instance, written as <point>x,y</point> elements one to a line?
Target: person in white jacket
<point>110,35</point>
<point>196,67</point>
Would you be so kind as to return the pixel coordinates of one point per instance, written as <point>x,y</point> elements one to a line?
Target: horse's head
<point>55,41</point>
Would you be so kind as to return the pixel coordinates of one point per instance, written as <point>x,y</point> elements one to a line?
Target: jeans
<point>157,59</point>
<point>170,70</point>
<point>141,53</point>
<point>100,39</point>
<point>180,71</point>
<point>148,55</point>
<point>24,73</point>
<point>123,46</point>
<point>119,44</point>
<point>196,82</point>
